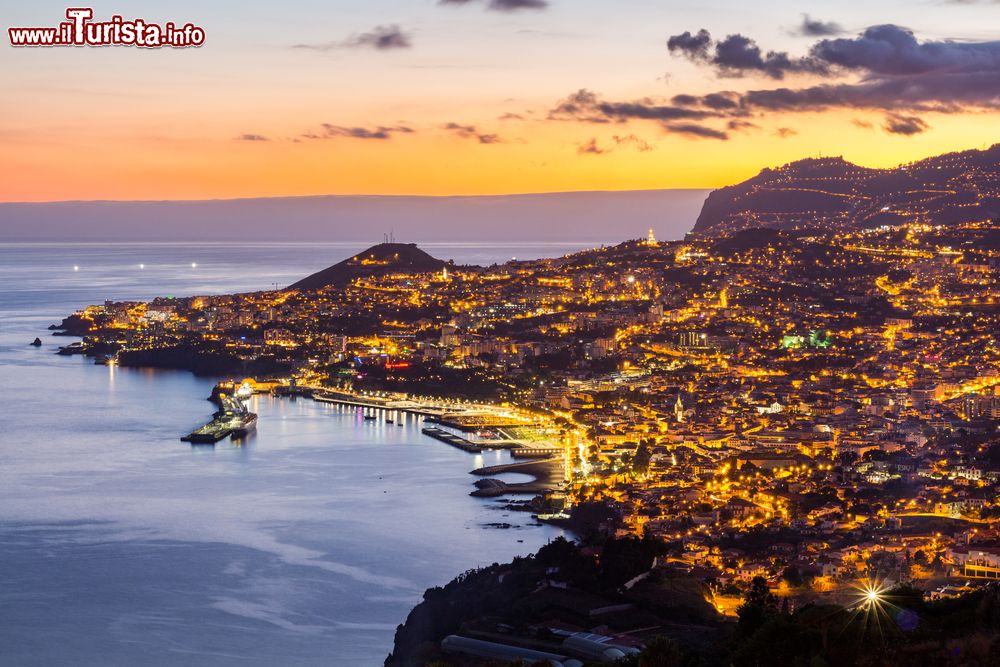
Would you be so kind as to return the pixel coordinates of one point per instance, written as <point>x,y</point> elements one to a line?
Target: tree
<point>792,575</point>
<point>557,552</point>
<point>759,604</point>
<point>640,462</point>
<point>661,652</point>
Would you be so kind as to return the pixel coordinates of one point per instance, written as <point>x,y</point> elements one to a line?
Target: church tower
<point>679,410</point>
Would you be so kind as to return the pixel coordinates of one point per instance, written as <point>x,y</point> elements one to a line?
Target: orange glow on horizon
<point>534,157</point>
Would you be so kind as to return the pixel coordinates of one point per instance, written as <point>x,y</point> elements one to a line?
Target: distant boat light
<point>76,268</point>
<point>194,265</point>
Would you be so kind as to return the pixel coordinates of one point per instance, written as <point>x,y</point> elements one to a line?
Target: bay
<point>120,545</point>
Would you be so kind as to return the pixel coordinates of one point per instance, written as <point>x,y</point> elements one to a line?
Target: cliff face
<point>831,193</point>
<point>377,260</point>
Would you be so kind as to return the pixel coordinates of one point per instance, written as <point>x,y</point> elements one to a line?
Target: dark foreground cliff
<point>533,602</point>
<point>663,617</point>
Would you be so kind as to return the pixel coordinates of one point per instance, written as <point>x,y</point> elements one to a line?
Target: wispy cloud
<point>618,142</point>
<point>252,137</point>
<point>585,105</point>
<point>380,132</point>
<point>697,131</point>
<point>501,5</point>
<point>380,38</point>
<point>472,132</point>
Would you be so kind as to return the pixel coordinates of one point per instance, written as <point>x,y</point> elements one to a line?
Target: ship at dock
<point>233,419</point>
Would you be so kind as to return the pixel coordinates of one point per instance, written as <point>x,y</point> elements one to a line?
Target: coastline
<point>540,463</point>
<point>484,520</point>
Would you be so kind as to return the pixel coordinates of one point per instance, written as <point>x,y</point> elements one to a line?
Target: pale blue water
<point>120,545</point>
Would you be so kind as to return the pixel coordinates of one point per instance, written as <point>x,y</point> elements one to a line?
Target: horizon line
<point>350,196</point>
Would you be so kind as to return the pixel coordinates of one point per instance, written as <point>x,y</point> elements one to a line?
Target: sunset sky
<point>490,96</point>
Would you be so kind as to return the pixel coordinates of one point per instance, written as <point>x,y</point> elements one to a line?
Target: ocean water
<point>120,545</point>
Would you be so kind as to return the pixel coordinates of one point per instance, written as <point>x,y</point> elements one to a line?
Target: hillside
<point>380,259</point>
<point>537,601</point>
<point>830,193</point>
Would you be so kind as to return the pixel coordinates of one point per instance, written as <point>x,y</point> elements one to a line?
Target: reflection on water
<point>303,544</point>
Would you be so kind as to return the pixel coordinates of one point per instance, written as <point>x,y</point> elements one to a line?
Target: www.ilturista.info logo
<point>80,30</point>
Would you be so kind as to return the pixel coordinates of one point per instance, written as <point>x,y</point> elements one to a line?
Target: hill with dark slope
<point>831,193</point>
<point>377,260</point>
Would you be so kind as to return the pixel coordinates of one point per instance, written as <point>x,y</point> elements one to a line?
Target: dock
<point>452,439</point>
<point>374,403</point>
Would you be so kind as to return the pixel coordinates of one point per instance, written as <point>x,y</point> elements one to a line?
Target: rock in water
<point>37,342</point>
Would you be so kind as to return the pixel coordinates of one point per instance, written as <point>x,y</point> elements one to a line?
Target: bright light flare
<point>871,596</point>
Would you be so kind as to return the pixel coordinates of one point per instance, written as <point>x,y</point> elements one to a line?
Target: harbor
<point>470,427</point>
<point>483,427</point>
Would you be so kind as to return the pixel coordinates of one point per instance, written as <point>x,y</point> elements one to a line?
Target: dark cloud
<point>737,125</point>
<point>897,72</point>
<point>716,101</point>
<point>685,100</point>
<point>502,5</point>
<point>720,101</point>
<point>697,131</point>
<point>585,105</point>
<point>252,137</point>
<point>737,55</point>
<point>381,132</point>
<point>811,27</point>
<point>380,38</point>
<point>885,68</point>
<point>472,132</point>
<point>889,50</point>
<point>695,47</point>
<point>905,125</point>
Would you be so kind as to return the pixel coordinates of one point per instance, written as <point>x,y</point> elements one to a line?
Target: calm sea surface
<point>120,545</point>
